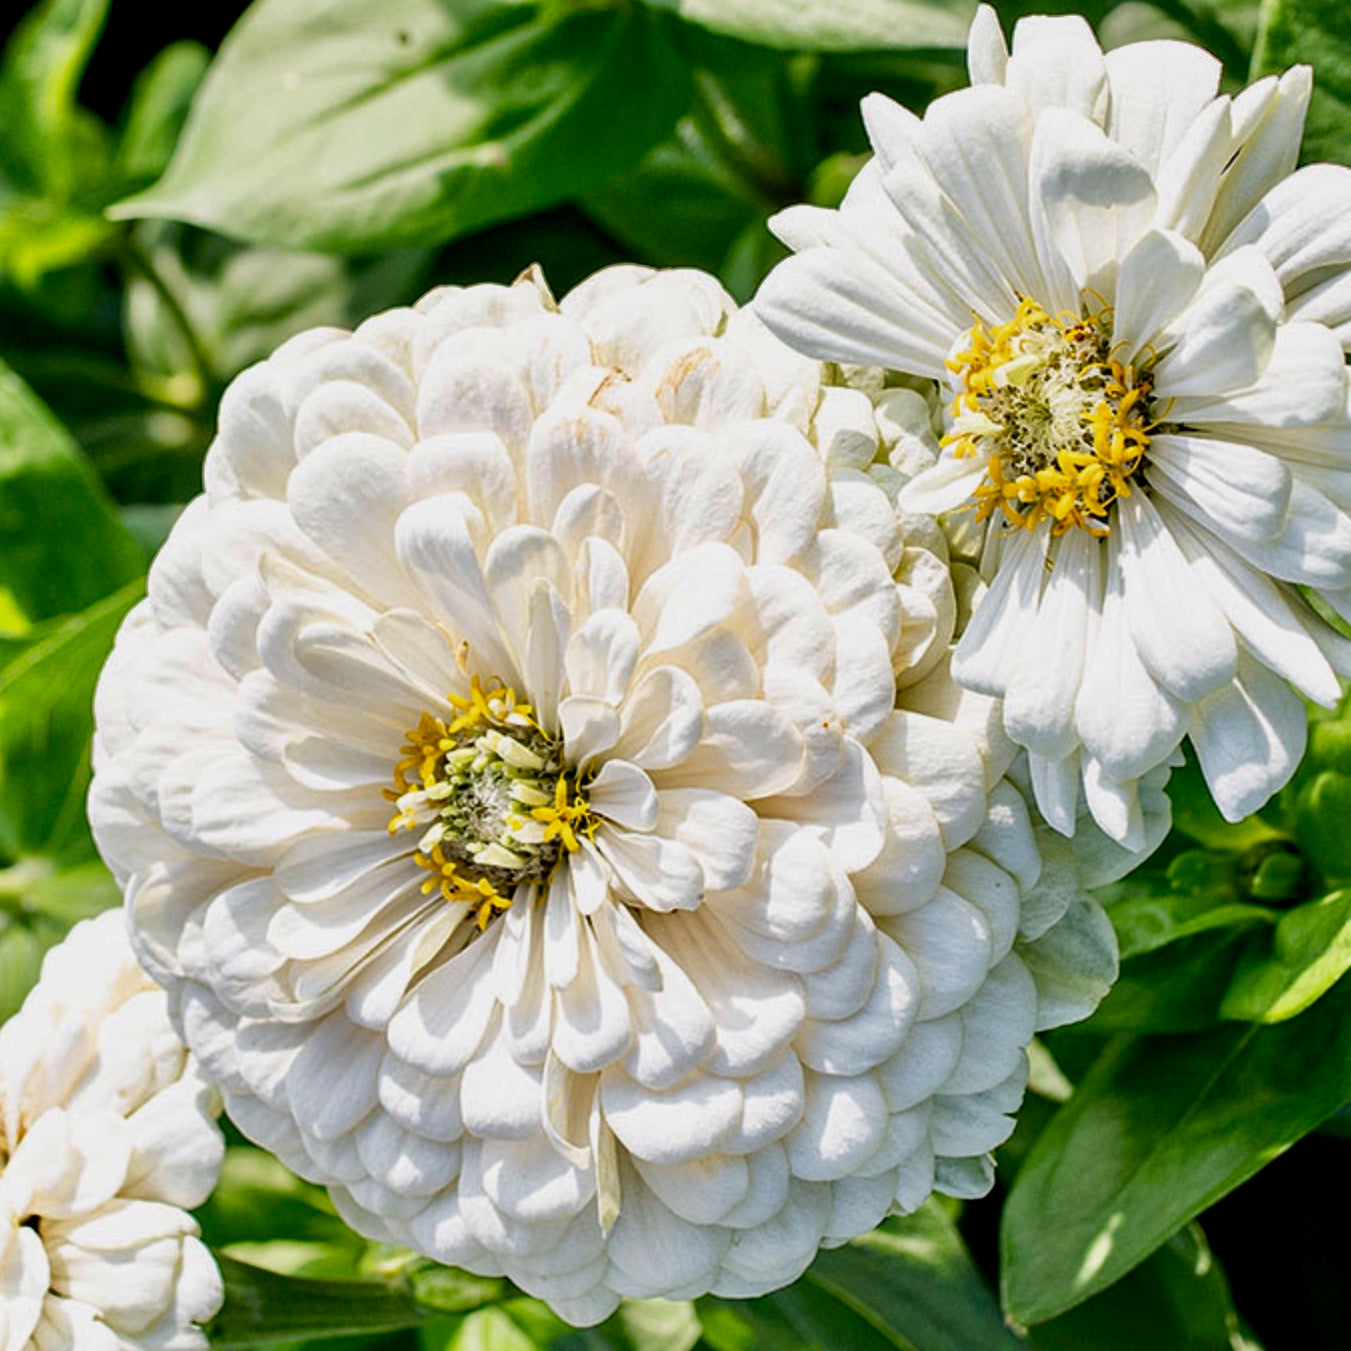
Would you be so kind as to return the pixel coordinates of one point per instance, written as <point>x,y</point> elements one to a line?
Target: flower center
<point>1062,424</point>
<point>490,793</point>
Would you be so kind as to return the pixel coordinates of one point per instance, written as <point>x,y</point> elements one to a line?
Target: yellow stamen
<point>1063,425</point>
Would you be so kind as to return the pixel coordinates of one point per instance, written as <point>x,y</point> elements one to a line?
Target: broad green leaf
<point>1309,951</point>
<point>1317,32</point>
<point>46,718</point>
<point>262,1307</point>
<point>909,1285</point>
<point>160,99</point>
<point>347,127</point>
<point>838,26</point>
<point>1161,1128</point>
<point>1179,1297</point>
<point>61,544</point>
<point>1180,986</point>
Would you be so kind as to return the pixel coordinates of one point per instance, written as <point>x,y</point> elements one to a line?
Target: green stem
<point>141,261</point>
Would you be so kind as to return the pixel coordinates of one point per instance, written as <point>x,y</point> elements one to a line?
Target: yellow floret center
<point>1062,424</point>
<point>489,791</point>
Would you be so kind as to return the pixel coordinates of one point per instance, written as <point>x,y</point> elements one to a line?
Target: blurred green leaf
<point>160,99</point>
<point>910,1285</point>
<point>1179,1297</point>
<point>39,901</point>
<point>1161,1128</point>
<point>242,302</point>
<point>262,1307</point>
<point>839,26</point>
<point>1309,950</point>
<point>351,127</point>
<point>1318,32</point>
<point>61,544</point>
<point>53,155</point>
<point>491,1330</point>
<point>39,75</point>
<point>46,718</point>
<point>258,1198</point>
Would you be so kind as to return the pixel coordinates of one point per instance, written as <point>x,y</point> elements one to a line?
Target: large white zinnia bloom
<point>508,782</point>
<point>1139,312</point>
<point>107,1139</point>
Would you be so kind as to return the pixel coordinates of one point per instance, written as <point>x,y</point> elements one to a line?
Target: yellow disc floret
<point>1062,424</point>
<point>489,792</point>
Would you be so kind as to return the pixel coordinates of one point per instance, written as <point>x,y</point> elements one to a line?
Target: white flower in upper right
<point>1140,310</point>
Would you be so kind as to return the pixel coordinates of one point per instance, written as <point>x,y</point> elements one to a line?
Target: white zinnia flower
<point>508,783</point>
<point>1140,313</point>
<point>107,1139</point>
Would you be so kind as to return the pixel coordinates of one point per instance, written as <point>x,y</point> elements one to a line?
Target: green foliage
<point>351,127</point>
<point>844,26</point>
<point>1178,1297</point>
<point>910,1285</point>
<point>1317,32</point>
<point>1160,1128</point>
<point>263,1307</point>
<point>62,546</point>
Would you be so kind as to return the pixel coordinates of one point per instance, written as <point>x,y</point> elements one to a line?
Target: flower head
<point>107,1139</point>
<point>1138,312</point>
<point>536,778</point>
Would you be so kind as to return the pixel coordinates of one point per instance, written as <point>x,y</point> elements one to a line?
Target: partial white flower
<point>536,778</point>
<point>107,1139</point>
<point>1139,311</point>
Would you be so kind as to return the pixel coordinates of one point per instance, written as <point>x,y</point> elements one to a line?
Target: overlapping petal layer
<point>107,1140</point>
<point>1141,257</point>
<point>767,933</point>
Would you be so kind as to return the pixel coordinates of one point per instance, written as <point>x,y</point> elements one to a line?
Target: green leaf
<point>838,26</point>
<point>39,76</point>
<point>262,1307</point>
<point>160,99</point>
<point>1321,814</point>
<point>450,1291</point>
<point>61,544</point>
<point>349,126</point>
<point>53,155</point>
<point>1162,1127</point>
<point>742,151</point>
<point>46,718</point>
<point>1179,1297</point>
<point>910,1285</point>
<point>1318,32</point>
<point>22,945</point>
<point>1179,950</point>
<point>243,302</point>
<point>1195,814</point>
<point>1308,953</point>
<point>258,1198</point>
<point>39,901</point>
